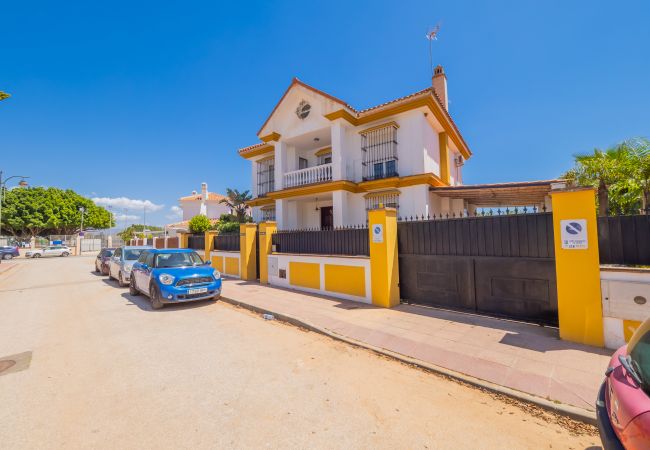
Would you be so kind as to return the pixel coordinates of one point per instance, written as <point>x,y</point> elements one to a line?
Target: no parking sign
<point>574,234</point>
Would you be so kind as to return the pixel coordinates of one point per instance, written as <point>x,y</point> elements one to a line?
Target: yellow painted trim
<point>376,194</point>
<point>395,182</point>
<point>217,263</point>
<point>577,271</point>
<point>304,274</point>
<point>263,150</point>
<point>314,189</point>
<point>443,145</point>
<point>209,238</point>
<point>271,137</point>
<point>422,102</point>
<point>323,151</point>
<point>261,201</point>
<point>232,266</point>
<point>342,114</point>
<point>248,251</point>
<point>267,207</point>
<point>392,123</point>
<point>629,328</point>
<point>266,248</point>
<point>349,280</point>
<point>384,273</point>
<point>183,241</point>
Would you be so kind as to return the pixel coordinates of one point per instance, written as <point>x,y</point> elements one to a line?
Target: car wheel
<point>120,280</point>
<point>65,254</point>
<point>96,269</point>
<point>36,255</point>
<point>132,289</point>
<point>155,297</point>
<point>7,256</point>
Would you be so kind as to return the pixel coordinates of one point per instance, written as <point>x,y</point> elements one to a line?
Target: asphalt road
<point>108,372</point>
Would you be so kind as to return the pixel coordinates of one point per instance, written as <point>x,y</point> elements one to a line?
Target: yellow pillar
<point>577,266</point>
<point>443,145</point>
<point>182,240</point>
<point>384,273</point>
<point>266,247</point>
<point>209,239</point>
<point>248,251</point>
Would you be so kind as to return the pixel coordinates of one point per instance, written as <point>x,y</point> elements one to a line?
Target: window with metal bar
<point>265,176</point>
<point>268,214</point>
<point>388,200</point>
<point>379,146</point>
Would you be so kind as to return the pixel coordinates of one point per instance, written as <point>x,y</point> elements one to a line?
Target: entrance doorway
<point>326,217</point>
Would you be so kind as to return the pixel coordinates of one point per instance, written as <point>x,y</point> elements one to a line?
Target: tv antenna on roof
<point>432,35</point>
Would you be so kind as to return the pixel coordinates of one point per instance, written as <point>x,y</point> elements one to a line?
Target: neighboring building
<point>206,203</point>
<point>322,163</point>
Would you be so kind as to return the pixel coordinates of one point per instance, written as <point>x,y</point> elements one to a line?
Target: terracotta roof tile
<point>212,196</point>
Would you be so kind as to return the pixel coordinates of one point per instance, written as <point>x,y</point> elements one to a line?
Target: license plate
<point>197,291</point>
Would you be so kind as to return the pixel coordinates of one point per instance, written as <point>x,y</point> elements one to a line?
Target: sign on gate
<point>378,233</point>
<point>574,234</point>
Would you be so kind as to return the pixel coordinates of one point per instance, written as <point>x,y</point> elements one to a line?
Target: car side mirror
<point>144,266</point>
<point>207,263</point>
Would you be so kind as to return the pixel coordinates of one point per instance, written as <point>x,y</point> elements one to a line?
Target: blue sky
<point>145,100</point>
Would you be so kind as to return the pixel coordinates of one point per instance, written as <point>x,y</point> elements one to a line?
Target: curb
<point>582,415</point>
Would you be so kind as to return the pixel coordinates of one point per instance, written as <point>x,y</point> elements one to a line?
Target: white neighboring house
<point>206,203</point>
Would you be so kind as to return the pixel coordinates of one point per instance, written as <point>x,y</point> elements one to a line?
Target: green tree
<point>28,212</point>
<point>637,171</point>
<point>199,224</point>
<point>4,95</point>
<point>137,230</point>
<point>236,201</point>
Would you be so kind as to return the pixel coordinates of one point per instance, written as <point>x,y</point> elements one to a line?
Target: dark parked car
<point>102,260</point>
<point>8,252</point>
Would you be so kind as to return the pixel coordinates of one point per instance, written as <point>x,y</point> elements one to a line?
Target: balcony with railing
<point>310,175</point>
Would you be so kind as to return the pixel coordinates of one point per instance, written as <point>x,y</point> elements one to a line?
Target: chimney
<point>439,83</point>
<point>204,190</point>
<point>194,192</point>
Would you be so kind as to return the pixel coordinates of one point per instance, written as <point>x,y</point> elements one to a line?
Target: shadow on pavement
<point>142,302</point>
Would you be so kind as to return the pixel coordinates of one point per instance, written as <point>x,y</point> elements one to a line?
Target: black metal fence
<point>508,235</point>
<point>624,240</point>
<point>350,241</point>
<point>196,241</point>
<point>227,242</point>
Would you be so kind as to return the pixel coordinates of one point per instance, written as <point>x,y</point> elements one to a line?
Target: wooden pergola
<point>525,193</point>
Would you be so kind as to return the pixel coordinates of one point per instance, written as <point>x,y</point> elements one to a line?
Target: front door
<point>326,218</point>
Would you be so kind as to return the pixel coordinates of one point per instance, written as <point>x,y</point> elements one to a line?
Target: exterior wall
<point>193,208</point>
<point>337,276</point>
<point>226,262</point>
<point>621,314</point>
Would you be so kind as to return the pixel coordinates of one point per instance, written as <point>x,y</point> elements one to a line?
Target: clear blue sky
<point>145,100</point>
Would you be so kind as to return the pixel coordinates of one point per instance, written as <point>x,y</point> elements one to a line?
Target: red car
<point>623,405</point>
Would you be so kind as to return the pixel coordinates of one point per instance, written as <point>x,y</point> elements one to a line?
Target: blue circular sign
<point>573,228</point>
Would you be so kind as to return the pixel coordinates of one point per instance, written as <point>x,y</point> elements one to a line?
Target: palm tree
<point>4,95</point>
<point>599,169</point>
<point>637,168</point>
<point>236,201</point>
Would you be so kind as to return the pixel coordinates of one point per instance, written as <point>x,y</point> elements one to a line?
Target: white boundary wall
<point>280,261</point>
<point>619,288</point>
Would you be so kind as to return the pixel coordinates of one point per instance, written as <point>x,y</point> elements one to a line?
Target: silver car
<point>120,264</point>
<point>54,250</point>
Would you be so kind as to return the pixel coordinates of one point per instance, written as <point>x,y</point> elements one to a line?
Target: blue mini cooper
<point>174,276</point>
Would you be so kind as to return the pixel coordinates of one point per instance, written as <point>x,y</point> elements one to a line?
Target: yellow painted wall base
<point>384,271</point>
<point>217,263</point>
<point>304,274</point>
<point>629,327</point>
<point>345,279</point>
<point>232,266</point>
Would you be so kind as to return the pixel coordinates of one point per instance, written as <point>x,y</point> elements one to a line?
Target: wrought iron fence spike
<point>534,209</point>
<point>544,207</point>
<point>525,210</point>
<point>516,211</point>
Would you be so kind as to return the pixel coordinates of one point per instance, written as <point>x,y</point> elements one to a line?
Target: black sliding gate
<point>501,265</point>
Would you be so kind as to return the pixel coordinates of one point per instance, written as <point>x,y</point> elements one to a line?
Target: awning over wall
<point>499,194</point>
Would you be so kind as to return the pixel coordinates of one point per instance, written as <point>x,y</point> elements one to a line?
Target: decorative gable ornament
<point>303,109</point>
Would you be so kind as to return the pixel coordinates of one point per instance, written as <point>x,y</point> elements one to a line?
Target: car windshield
<point>178,259</point>
<point>640,359</point>
<point>133,254</point>
<point>108,252</point>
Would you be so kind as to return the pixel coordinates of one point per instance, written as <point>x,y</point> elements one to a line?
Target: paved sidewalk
<point>519,356</point>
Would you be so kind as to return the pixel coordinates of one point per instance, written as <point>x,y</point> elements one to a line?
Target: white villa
<point>322,163</point>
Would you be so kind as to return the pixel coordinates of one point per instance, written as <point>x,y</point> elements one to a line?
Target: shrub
<point>199,224</point>
<point>227,227</point>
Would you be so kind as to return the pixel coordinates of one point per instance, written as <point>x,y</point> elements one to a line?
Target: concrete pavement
<point>106,371</point>
<point>521,357</point>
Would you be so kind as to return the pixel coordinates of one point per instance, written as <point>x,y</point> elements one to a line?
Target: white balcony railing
<point>316,174</point>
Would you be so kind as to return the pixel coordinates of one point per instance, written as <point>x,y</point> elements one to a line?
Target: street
<point>108,372</point>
